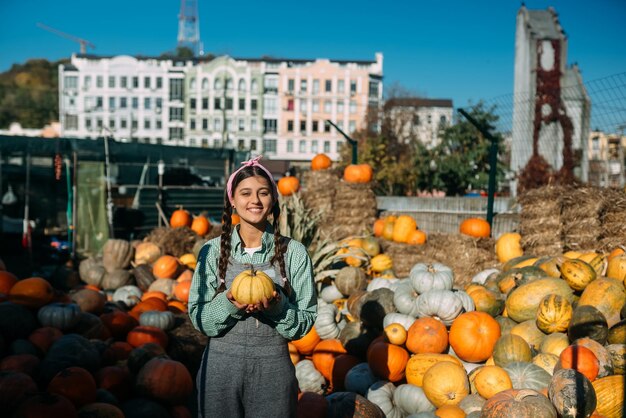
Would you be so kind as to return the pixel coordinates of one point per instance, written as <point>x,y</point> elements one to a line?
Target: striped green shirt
<point>293,317</point>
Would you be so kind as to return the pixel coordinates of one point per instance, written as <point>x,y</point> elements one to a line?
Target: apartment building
<point>130,98</point>
<point>607,159</point>
<point>270,106</point>
<point>314,92</point>
<point>419,119</point>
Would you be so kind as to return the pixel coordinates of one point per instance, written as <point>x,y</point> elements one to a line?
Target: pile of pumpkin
<point>400,229</point>
<point>538,337</point>
<point>101,348</point>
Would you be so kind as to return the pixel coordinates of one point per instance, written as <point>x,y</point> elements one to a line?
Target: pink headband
<point>253,162</point>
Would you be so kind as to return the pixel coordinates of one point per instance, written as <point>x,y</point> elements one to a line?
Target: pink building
<point>312,92</point>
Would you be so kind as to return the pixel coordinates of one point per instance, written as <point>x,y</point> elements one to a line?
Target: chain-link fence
<point>570,123</point>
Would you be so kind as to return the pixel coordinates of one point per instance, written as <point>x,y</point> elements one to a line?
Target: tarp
<point>92,228</point>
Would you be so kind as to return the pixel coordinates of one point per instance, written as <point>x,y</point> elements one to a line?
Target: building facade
<point>551,107</point>
<point>419,119</point>
<point>131,99</point>
<point>274,107</point>
<point>607,159</point>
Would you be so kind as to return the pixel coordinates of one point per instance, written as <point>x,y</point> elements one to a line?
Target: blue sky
<point>460,50</point>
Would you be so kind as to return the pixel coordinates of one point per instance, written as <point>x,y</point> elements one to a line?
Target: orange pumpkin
<point>166,267</point>
<point>181,290</point>
<point>306,344</point>
<point>76,384</point>
<point>146,334</point>
<point>201,225</point>
<point>320,162</point>
<point>288,185</point>
<point>358,173</point>
<point>379,224</point>
<point>293,353</point>
<point>154,294</point>
<point>32,293</point>
<point>235,219</point>
<point>417,237</point>
<point>176,306</point>
<point>150,304</point>
<point>119,323</point>
<point>473,336</point>
<point>165,380</point>
<point>180,218</point>
<point>324,356</point>
<point>388,229</point>
<point>403,227</point>
<point>7,281</point>
<point>387,361</point>
<point>581,359</point>
<point>450,411</point>
<point>475,227</point>
<point>491,380</point>
<point>445,383</point>
<point>427,335</point>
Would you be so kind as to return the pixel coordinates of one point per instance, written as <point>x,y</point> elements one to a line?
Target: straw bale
<point>465,255</point>
<point>173,241</point>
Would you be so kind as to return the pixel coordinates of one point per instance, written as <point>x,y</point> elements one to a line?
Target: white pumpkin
<point>411,399</point>
<point>398,283</point>
<point>162,320</point>
<point>381,393</point>
<point>326,322</point>
<point>441,304</point>
<point>482,276</point>
<point>309,378</point>
<point>59,315</point>
<point>163,285</point>
<point>405,299</point>
<point>330,293</point>
<point>129,295</point>
<point>425,277</point>
<point>359,379</point>
<point>466,300</point>
<point>393,317</point>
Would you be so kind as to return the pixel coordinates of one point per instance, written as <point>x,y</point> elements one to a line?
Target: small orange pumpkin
<point>180,218</point>
<point>7,281</point>
<point>358,173</point>
<point>417,237</point>
<point>146,334</point>
<point>580,359</point>
<point>166,267</point>
<point>306,344</point>
<point>201,225</point>
<point>288,185</point>
<point>427,335</point>
<point>32,293</point>
<point>379,224</point>
<point>475,227</point>
<point>181,290</point>
<point>387,361</point>
<point>320,162</point>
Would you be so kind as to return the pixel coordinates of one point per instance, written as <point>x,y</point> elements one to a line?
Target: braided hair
<point>280,245</point>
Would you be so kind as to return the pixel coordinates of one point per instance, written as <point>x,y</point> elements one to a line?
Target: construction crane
<point>83,43</point>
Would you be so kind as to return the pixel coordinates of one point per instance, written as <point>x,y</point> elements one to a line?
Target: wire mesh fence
<point>595,112</point>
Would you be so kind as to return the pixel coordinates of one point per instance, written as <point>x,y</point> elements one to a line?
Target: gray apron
<point>247,372</point>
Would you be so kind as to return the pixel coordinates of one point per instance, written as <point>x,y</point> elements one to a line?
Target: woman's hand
<point>263,305</point>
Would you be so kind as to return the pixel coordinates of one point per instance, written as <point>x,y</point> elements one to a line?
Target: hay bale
<point>581,218</point>
<point>173,241</point>
<point>465,255</point>
<point>540,220</point>
<point>612,220</point>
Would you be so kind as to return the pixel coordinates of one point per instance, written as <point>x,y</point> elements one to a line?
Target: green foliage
<point>29,94</point>
<point>460,162</point>
<point>462,156</point>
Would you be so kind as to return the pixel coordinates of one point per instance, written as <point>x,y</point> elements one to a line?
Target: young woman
<point>246,370</point>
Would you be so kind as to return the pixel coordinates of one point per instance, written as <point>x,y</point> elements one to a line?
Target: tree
<point>461,159</point>
<point>29,93</point>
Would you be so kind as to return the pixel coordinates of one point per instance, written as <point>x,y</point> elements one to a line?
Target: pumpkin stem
<point>431,268</point>
<point>252,272</point>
